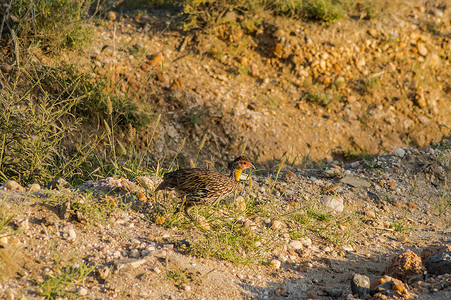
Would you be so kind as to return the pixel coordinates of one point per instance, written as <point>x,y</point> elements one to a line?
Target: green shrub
<point>147,4</point>
<point>320,98</point>
<point>33,124</point>
<point>96,104</point>
<point>322,10</point>
<point>51,25</point>
<point>42,111</point>
<point>204,13</point>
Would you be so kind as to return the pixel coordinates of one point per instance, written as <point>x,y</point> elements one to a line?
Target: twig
<point>378,74</point>
<point>33,16</point>
<point>380,228</point>
<point>6,13</point>
<point>16,46</point>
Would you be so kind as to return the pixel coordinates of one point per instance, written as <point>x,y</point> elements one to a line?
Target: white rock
<point>334,203</point>
<point>306,242</point>
<point>348,248</point>
<point>430,151</point>
<point>276,225</point>
<point>72,234</point>
<point>399,152</point>
<point>289,192</point>
<point>24,224</point>
<point>295,245</point>
<point>4,241</point>
<point>186,287</point>
<point>34,187</point>
<point>82,291</point>
<point>275,264</point>
<point>282,258</point>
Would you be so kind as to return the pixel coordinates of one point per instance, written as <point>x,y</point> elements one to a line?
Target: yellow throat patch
<point>237,174</point>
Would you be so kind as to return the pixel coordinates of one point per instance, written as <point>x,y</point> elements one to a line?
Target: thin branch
<point>16,45</point>
<point>33,19</point>
<point>6,13</point>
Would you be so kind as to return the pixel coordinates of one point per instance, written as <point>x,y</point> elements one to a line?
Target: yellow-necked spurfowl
<point>204,187</point>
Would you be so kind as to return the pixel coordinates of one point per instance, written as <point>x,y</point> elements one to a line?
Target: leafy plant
<point>32,128</point>
<point>322,10</point>
<point>250,14</point>
<point>401,226</point>
<point>369,84</point>
<point>55,286</point>
<point>179,276</point>
<point>51,25</point>
<point>320,98</point>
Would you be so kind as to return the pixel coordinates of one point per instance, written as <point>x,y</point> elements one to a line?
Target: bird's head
<point>238,165</point>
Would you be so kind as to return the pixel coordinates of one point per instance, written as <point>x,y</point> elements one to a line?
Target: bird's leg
<point>186,206</point>
<point>187,209</point>
<point>181,206</point>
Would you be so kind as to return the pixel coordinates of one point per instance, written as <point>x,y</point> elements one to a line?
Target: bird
<point>204,187</point>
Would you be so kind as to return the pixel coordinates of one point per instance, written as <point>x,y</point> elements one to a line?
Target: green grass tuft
<point>54,286</point>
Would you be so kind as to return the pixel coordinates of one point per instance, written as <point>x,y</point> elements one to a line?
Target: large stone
<point>360,285</point>
<point>355,182</point>
<point>433,250</point>
<point>399,152</point>
<point>439,264</point>
<point>391,287</point>
<point>295,245</point>
<point>404,266</point>
<point>12,185</point>
<point>333,203</point>
<point>59,183</point>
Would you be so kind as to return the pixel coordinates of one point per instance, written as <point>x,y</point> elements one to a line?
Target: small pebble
<point>134,253</point>
<point>306,242</point>
<point>3,241</point>
<point>12,185</point>
<point>399,152</point>
<point>186,287</point>
<point>72,234</point>
<point>430,151</point>
<point>370,214</point>
<point>276,225</point>
<point>333,202</point>
<point>82,291</point>
<point>275,264</point>
<point>403,239</point>
<point>295,245</point>
<point>34,187</point>
<point>111,15</point>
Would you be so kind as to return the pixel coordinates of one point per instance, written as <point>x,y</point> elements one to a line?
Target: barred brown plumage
<point>204,187</point>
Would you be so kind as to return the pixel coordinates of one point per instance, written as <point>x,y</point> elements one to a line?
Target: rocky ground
<point>109,239</point>
<point>297,97</point>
